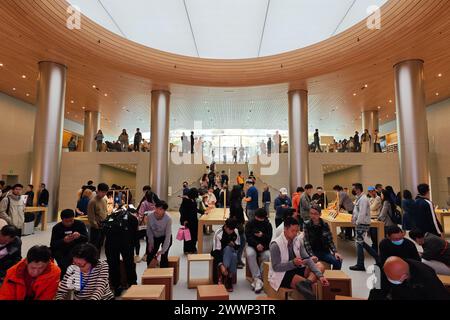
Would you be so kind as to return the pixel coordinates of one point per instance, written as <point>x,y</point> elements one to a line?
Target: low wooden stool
<point>445,280</point>
<point>174,262</point>
<point>340,284</point>
<point>281,294</point>
<point>212,292</point>
<point>265,298</point>
<point>162,276</point>
<point>193,283</point>
<point>145,292</point>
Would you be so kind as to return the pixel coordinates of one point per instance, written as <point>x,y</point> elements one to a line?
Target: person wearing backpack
<point>387,211</point>
<point>120,229</point>
<point>12,208</point>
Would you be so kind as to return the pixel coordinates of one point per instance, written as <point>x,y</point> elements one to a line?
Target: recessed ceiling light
<point>439,75</point>
<point>390,101</point>
<point>14,89</point>
<point>24,76</point>
<point>379,107</point>
<point>72,102</point>
<point>366,85</point>
<point>354,94</point>
<point>28,94</point>
<point>83,108</point>
<point>1,64</point>
<point>68,112</point>
<point>437,93</point>
<point>94,86</point>
<point>106,94</point>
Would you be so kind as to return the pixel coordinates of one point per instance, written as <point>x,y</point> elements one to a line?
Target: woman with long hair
<point>408,207</point>
<point>189,219</point>
<point>387,209</point>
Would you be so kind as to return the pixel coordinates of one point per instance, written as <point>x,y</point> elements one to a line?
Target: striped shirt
<point>95,286</point>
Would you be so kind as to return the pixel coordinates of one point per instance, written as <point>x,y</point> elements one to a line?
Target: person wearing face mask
<point>410,280</point>
<point>397,245</point>
<point>361,220</point>
<point>33,278</point>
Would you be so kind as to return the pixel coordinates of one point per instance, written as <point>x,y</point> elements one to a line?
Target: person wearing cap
<point>319,240</point>
<point>258,233</point>
<point>281,204</point>
<point>65,236</point>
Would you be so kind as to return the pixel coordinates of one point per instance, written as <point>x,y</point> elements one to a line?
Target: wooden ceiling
<point>124,72</point>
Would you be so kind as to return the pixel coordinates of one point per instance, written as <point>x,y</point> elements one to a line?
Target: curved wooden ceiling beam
<point>408,30</point>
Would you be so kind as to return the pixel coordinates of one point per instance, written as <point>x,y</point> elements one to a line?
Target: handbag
<point>180,234</point>
<point>187,234</point>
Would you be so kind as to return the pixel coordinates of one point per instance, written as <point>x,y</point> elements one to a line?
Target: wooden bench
<point>340,284</point>
<point>174,262</point>
<point>212,292</point>
<point>193,283</point>
<point>145,292</point>
<point>163,276</point>
<point>445,280</point>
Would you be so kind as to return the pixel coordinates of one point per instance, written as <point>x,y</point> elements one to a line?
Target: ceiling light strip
<point>264,28</point>
<point>190,25</point>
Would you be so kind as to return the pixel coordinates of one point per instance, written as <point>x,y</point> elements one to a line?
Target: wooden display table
<point>441,214</point>
<point>162,276</point>
<point>145,292</point>
<point>340,284</point>
<point>212,292</point>
<point>174,262</point>
<point>193,283</point>
<point>345,220</point>
<point>214,217</point>
<point>36,210</point>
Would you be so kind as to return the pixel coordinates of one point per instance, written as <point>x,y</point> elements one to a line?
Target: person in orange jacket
<point>296,198</point>
<point>34,278</point>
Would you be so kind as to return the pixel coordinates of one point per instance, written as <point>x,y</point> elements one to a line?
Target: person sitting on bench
<point>291,266</point>
<point>319,240</point>
<point>226,244</point>
<point>436,251</point>
<point>259,234</point>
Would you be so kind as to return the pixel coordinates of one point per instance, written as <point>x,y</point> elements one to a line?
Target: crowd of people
<point>365,142</point>
<point>298,248</point>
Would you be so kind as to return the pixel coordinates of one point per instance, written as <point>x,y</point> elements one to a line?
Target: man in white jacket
<point>12,208</point>
<point>361,220</point>
<point>291,266</point>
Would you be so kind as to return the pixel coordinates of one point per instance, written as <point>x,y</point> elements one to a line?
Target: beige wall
<point>110,175</point>
<point>16,132</point>
<point>344,178</point>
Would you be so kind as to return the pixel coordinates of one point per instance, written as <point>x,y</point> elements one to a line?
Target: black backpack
<point>396,216</point>
<point>116,223</point>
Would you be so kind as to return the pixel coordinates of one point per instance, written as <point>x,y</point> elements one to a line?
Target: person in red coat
<point>34,278</point>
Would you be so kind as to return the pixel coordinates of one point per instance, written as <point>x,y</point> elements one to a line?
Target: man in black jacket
<point>65,236</point>
<point>43,197</point>
<point>396,245</point>
<point>10,249</point>
<point>425,217</point>
<point>411,280</point>
<point>120,229</point>
<point>258,233</point>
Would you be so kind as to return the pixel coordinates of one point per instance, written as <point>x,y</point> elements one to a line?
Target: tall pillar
<point>159,143</point>
<point>298,139</point>
<point>91,126</point>
<point>370,121</point>
<point>48,131</point>
<point>411,124</point>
